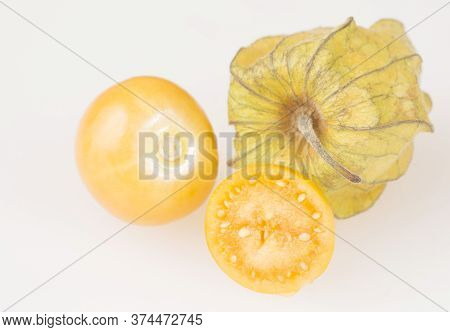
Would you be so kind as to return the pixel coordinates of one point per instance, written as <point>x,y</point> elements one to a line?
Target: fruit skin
<point>358,87</point>
<point>315,202</point>
<point>107,150</point>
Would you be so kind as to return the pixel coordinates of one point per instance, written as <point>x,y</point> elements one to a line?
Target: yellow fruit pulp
<point>271,234</point>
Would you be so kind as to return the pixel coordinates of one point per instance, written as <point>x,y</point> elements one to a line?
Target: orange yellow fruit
<point>269,229</point>
<point>128,155</point>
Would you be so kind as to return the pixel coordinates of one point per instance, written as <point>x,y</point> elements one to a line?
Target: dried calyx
<point>341,105</point>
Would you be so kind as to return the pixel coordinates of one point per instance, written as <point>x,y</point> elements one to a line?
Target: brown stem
<point>305,125</point>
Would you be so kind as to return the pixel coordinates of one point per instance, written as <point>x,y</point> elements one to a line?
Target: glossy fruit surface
<point>269,229</point>
<point>129,158</point>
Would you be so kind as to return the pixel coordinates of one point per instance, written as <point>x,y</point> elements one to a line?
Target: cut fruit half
<point>270,229</point>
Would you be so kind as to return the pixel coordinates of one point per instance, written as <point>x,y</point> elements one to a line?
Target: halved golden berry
<point>269,229</point>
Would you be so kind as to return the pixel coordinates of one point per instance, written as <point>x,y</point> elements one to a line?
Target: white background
<point>48,219</point>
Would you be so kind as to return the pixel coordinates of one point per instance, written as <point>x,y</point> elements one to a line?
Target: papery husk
<point>341,105</point>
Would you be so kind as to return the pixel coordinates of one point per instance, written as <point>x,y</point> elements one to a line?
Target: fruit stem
<point>305,126</point>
